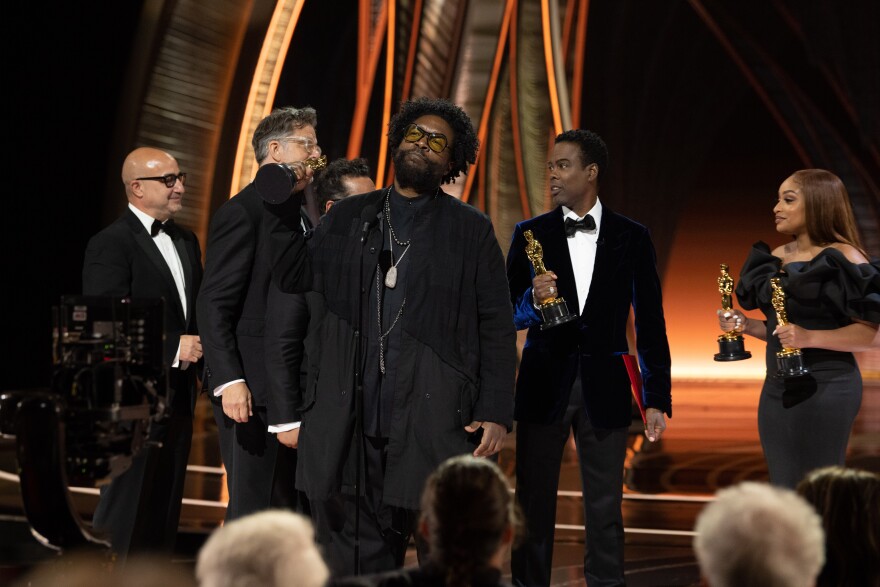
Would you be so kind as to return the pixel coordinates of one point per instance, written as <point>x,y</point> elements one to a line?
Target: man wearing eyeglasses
<point>438,356</point>
<point>232,310</point>
<point>144,254</point>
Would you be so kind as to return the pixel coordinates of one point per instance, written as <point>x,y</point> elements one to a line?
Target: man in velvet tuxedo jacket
<point>572,377</point>
<point>143,254</point>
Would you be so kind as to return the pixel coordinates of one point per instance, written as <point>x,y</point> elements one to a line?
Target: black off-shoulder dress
<point>805,423</point>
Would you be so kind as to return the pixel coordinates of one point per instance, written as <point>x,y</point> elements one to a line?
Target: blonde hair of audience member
<point>469,518</point>
<point>271,548</point>
<point>848,500</point>
<point>94,569</point>
<point>758,535</point>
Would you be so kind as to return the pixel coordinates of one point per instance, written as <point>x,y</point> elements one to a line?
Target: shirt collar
<point>145,218</point>
<point>595,212</point>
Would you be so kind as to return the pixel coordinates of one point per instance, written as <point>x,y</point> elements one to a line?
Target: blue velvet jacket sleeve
<point>519,277</point>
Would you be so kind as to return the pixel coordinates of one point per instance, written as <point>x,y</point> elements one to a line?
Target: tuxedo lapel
<point>186,262</point>
<point>610,247</point>
<point>145,242</point>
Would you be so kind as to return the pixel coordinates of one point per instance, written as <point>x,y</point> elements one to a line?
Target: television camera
<point>109,383</point>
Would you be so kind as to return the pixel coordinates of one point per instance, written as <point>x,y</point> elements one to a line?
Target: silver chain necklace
<point>382,336</point>
<point>388,219</point>
<point>391,274</point>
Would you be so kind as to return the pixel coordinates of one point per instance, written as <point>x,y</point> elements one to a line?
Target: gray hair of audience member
<point>278,125</point>
<point>848,500</point>
<point>468,514</point>
<point>759,535</point>
<point>271,548</point>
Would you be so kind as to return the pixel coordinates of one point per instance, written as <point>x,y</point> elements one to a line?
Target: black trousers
<point>384,531</point>
<point>601,456</point>
<point>140,509</point>
<point>284,490</point>
<point>249,452</point>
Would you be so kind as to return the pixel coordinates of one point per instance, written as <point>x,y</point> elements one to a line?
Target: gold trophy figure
<point>275,182</point>
<point>789,362</point>
<point>316,163</point>
<point>730,344</point>
<point>554,310</point>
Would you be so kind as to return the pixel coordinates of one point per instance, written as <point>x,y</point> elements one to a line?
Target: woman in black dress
<point>832,302</point>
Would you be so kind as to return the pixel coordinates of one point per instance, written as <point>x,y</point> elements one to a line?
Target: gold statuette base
<point>731,348</point>
<point>554,313</point>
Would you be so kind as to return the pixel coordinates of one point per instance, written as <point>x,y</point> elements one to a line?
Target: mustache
<point>416,153</point>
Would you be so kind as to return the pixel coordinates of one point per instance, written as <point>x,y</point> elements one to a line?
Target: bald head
<point>145,162</point>
<point>151,195</point>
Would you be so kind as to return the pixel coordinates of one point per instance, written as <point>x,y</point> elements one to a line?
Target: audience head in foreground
<point>761,536</point>
<point>848,500</point>
<point>90,568</point>
<point>271,548</point>
<point>469,518</point>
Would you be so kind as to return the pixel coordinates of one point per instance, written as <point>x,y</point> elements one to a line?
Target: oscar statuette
<point>730,344</point>
<point>789,361</point>
<point>554,310</point>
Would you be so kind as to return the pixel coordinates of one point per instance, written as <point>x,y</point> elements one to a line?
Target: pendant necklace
<point>391,274</point>
<point>384,335</point>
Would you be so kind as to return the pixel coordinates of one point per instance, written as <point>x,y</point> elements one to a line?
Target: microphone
<point>275,182</point>
<point>368,219</point>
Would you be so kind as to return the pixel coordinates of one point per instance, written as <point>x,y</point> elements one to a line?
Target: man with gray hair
<point>232,309</point>
<point>266,549</point>
<point>758,535</point>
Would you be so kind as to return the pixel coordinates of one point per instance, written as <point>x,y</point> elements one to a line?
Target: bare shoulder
<point>783,251</point>
<point>852,254</point>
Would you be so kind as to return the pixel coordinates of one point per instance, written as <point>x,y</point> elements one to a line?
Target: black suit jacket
<point>141,508</point>
<point>232,300</point>
<point>624,275</point>
<point>123,260</point>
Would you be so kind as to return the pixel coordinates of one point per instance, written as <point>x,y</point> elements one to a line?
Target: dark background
<point>680,121</point>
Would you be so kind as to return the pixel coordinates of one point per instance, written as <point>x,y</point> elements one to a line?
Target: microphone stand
<point>359,404</point>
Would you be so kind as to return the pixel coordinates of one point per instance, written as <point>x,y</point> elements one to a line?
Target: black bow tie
<point>158,225</point>
<point>585,223</point>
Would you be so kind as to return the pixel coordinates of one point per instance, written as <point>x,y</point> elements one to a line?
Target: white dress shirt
<point>169,252</point>
<point>582,251</point>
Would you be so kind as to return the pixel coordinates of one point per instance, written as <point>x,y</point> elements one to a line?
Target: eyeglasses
<point>308,144</point>
<point>169,179</point>
<point>437,142</point>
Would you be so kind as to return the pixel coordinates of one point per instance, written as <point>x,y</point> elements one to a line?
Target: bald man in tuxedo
<point>144,254</point>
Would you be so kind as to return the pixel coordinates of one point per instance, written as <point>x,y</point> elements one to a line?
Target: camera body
<point>109,385</point>
<point>110,379</point>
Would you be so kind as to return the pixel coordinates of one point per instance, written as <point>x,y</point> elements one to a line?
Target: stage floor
<point>711,442</point>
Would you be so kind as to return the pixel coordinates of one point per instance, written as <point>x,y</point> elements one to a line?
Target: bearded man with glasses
<point>232,309</point>
<point>144,254</point>
<point>436,371</point>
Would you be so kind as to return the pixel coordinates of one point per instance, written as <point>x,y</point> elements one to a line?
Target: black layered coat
<point>458,345</point>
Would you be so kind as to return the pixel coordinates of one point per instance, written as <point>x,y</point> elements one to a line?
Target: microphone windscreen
<point>274,183</point>
<point>369,215</point>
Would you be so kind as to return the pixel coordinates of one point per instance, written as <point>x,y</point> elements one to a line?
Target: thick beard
<point>424,180</point>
